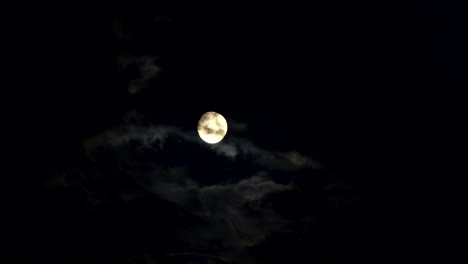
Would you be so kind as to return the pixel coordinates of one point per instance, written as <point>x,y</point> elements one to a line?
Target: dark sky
<point>344,124</point>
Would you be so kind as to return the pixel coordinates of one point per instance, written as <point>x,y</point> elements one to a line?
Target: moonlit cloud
<point>236,126</point>
<point>236,213</point>
<point>232,148</point>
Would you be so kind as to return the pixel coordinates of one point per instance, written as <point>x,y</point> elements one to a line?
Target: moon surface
<point>212,127</point>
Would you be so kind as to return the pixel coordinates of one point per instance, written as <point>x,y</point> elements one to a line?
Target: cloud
<point>233,147</point>
<point>147,69</point>
<point>237,126</point>
<point>232,214</point>
<point>272,160</point>
<point>301,161</point>
<point>119,29</point>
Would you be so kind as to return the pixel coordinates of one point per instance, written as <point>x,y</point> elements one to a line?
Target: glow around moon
<point>212,127</point>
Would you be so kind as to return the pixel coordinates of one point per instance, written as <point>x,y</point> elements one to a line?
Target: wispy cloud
<point>233,147</point>
<point>235,215</point>
<point>147,68</point>
<point>273,160</point>
<point>237,126</point>
<point>119,29</point>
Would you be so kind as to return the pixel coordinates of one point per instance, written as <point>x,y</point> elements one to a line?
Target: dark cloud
<point>232,215</point>
<point>147,69</point>
<point>230,147</point>
<point>235,126</point>
<point>119,29</point>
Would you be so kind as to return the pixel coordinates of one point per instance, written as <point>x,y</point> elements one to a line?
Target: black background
<point>374,91</point>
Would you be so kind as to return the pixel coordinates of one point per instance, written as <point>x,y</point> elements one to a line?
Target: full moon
<point>212,127</point>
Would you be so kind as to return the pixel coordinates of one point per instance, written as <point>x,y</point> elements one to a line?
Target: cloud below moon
<point>234,147</point>
<point>233,214</point>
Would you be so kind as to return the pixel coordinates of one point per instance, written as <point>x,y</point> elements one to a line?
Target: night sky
<point>344,124</point>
